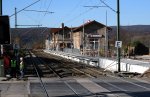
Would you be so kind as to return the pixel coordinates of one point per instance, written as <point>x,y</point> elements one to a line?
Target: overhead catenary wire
<point>71,11</point>
<point>33,19</point>
<point>45,2</point>
<point>30,25</point>
<point>79,15</point>
<point>48,6</point>
<point>105,30</point>
<point>118,29</point>
<point>108,6</point>
<point>46,11</point>
<point>39,11</point>
<point>16,25</point>
<point>76,17</point>
<point>74,8</point>
<point>25,8</point>
<point>95,6</point>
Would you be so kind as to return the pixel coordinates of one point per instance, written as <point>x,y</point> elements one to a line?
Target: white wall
<point>127,65</point>
<point>124,66</point>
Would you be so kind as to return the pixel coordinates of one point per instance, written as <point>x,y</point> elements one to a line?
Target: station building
<point>90,38</point>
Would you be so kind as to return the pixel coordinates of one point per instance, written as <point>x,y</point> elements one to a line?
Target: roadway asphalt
<point>76,87</point>
<point>13,88</point>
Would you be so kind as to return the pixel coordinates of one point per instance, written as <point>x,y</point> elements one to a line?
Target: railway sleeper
<point>47,71</point>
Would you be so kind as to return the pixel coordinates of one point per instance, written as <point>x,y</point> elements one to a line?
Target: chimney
<point>62,25</point>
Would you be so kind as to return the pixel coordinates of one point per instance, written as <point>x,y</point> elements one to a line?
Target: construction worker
<point>21,68</point>
<point>13,67</point>
<point>6,65</point>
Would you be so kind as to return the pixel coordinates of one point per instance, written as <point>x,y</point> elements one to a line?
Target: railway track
<point>57,67</point>
<point>67,68</point>
<point>41,68</point>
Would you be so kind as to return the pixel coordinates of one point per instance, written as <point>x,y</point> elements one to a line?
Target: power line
<point>48,7</point>
<point>108,6</point>
<point>39,11</point>
<point>31,18</point>
<point>16,25</point>
<point>95,6</point>
<point>29,25</point>
<point>71,11</point>
<point>42,18</point>
<point>79,15</point>
<point>118,29</point>
<point>92,7</point>
<point>25,8</point>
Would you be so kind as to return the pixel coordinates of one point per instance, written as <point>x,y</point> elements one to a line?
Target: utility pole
<point>0,7</point>
<point>118,28</point>
<point>118,33</point>
<point>16,24</point>
<point>106,38</point>
<point>25,8</point>
<point>63,36</point>
<point>83,41</point>
<point>1,49</point>
<point>1,46</point>
<point>71,38</point>
<point>15,17</point>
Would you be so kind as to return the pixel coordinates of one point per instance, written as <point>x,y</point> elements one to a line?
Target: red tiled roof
<point>88,23</point>
<point>54,30</point>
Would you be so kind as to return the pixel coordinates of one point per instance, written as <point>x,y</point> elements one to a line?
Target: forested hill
<point>35,37</point>
<point>132,33</point>
<point>29,37</point>
<point>135,29</point>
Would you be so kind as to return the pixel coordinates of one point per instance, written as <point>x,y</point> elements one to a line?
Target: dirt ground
<point>145,58</point>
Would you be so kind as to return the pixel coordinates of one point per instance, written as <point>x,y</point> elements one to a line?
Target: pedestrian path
<point>93,87</point>
<point>13,88</point>
<point>71,87</point>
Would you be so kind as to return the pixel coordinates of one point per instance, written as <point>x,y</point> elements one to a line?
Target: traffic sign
<point>118,44</point>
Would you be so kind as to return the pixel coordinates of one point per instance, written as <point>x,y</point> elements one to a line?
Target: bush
<point>140,49</point>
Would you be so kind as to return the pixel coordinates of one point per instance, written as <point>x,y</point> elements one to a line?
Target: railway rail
<point>40,67</point>
<point>67,68</point>
<point>49,66</point>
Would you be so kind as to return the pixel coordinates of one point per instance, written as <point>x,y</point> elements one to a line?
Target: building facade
<point>61,38</point>
<point>91,38</point>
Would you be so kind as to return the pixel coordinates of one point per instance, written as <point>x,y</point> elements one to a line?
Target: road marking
<point>130,82</point>
<point>94,88</point>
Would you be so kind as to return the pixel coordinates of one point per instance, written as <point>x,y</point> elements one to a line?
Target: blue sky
<point>73,12</point>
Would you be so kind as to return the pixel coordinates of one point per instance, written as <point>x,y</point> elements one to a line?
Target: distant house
<point>61,38</point>
<point>91,38</point>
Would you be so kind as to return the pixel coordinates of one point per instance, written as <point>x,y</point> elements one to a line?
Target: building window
<point>94,44</point>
